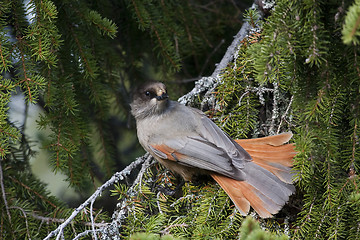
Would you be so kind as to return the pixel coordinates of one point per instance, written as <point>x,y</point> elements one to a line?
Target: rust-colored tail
<point>268,183</point>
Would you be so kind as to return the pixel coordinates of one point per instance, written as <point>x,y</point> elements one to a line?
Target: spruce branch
<point>3,59</point>
<point>163,46</point>
<point>351,28</point>
<point>354,139</point>
<point>33,191</point>
<point>124,208</point>
<point>26,220</point>
<point>228,57</point>
<point>229,54</point>
<point>306,219</point>
<point>26,79</point>
<point>119,176</point>
<point>89,71</point>
<point>138,14</point>
<point>52,219</point>
<point>260,90</point>
<point>106,26</point>
<point>208,84</point>
<point>167,229</point>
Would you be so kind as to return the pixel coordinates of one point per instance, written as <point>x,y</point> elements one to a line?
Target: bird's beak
<point>163,96</point>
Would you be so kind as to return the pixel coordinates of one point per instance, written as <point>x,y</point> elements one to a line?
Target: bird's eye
<point>147,93</point>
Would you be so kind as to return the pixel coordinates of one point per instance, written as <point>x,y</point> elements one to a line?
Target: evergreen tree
<point>77,60</point>
<point>295,70</point>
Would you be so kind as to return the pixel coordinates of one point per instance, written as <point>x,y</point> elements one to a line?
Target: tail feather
<point>282,172</point>
<point>230,186</point>
<point>264,152</point>
<point>267,153</point>
<point>264,206</point>
<point>276,140</point>
<point>243,195</point>
<point>268,183</point>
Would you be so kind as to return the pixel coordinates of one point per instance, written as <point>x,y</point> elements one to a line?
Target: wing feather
<point>208,147</point>
<point>238,156</point>
<point>198,152</point>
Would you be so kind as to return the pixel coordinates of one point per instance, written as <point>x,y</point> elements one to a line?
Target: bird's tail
<point>268,182</point>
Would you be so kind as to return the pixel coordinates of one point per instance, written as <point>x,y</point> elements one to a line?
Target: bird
<point>254,173</point>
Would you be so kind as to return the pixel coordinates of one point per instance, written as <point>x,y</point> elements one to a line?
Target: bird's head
<point>149,99</point>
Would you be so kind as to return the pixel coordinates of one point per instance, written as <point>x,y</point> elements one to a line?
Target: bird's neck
<point>156,110</point>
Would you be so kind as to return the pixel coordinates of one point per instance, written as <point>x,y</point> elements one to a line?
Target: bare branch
<point>119,176</point>
<point>283,118</point>
<point>26,221</point>
<point>111,230</point>
<point>3,192</point>
<point>208,84</point>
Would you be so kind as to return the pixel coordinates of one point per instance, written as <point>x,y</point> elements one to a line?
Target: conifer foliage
<point>296,70</point>
<point>78,60</point>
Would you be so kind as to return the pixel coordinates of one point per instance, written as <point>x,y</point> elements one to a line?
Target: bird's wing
<point>208,148</point>
<point>196,152</point>
<point>214,134</point>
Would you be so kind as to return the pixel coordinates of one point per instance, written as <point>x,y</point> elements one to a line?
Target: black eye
<point>147,93</point>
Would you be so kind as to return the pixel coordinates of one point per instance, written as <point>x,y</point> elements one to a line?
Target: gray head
<point>149,99</point>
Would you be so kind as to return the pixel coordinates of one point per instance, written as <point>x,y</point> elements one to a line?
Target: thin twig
<point>285,113</point>
<point>115,178</point>
<point>275,110</point>
<point>258,90</point>
<point>60,220</point>
<point>111,230</point>
<point>158,202</point>
<point>80,235</point>
<point>3,192</point>
<point>26,221</point>
<point>92,218</point>
<point>166,230</point>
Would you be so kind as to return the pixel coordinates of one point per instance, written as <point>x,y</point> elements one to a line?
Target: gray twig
<point>275,110</point>
<point>115,178</point>
<point>283,118</point>
<point>3,192</point>
<point>208,84</point>
<point>26,221</point>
